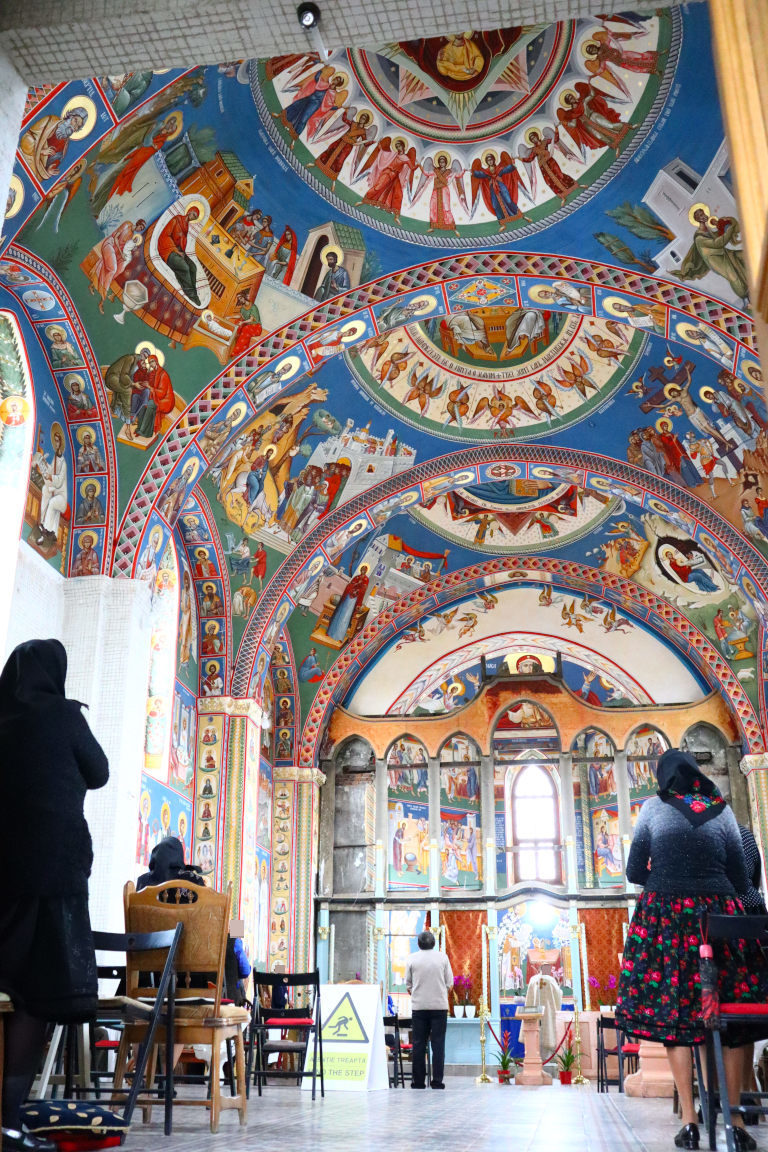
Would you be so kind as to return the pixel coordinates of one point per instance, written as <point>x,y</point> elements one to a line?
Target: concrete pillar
<point>327,823</point>
<point>568,821</point>
<point>493,963</point>
<point>586,824</point>
<point>739,788</point>
<point>381,824</point>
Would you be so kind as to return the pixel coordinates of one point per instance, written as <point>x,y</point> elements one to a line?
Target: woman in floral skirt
<point>687,855</point>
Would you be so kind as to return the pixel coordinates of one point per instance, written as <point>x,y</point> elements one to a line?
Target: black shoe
<point>743,1141</point>
<point>436,1084</point>
<point>688,1136</point>
<point>19,1141</point>
<point>418,1085</point>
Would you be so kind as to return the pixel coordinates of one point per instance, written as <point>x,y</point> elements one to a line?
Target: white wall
<point>105,626</point>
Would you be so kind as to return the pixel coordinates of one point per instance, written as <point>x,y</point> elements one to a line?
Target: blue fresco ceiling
<point>352,331</point>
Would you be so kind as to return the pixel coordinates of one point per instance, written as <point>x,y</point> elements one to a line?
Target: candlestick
<point>483,1078</point>
<point>577,1045</point>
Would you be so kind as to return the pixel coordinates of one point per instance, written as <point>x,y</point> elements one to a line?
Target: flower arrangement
<point>607,994</point>
<point>506,1061</point>
<point>462,989</point>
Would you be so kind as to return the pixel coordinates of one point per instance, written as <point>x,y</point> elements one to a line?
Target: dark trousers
<point>185,271</point>
<point>428,1024</point>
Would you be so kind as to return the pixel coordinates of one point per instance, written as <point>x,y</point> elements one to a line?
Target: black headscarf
<point>167,863</point>
<point>684,786</point>
<point>34,672</point>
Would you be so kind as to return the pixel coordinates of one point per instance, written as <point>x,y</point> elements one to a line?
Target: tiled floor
<point>465,1118</point>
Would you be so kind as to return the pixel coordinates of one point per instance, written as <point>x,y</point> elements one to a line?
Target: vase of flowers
<point>566,1061</point>
<point>462,990</point>
<point>506,1060</point>
<point>604,994</point>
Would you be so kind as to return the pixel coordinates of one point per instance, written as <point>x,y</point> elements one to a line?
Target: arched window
<point>535,826</point>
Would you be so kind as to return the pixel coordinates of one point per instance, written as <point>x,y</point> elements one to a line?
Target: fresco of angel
<point>540,155</point>
<point>390,170</point>
<point>446,178</point>
<point>606,48</point>
<point>589,120</point>
<point>499,184</point>
<point>357,134</point>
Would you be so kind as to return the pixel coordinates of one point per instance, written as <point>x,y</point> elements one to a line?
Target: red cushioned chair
<point>729,928</point>
<point>620,1047</point>
<point>306,1021</point>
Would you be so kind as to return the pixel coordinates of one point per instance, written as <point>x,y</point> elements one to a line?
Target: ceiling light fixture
<point>309,18</point>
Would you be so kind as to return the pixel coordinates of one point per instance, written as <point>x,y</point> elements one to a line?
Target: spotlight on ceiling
<point>308,16</point>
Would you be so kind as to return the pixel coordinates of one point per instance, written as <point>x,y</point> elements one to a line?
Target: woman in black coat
<point>48,761</point>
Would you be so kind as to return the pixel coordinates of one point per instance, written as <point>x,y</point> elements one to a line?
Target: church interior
<point>383,433</point>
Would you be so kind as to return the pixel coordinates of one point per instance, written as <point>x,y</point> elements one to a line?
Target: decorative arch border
<point>450,272</point>
<point>316,544</point>
<point>631,597</point>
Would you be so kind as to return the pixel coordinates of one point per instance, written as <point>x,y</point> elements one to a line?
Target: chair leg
<point>215,1082</point>
<point>242,1079</point>
<point>121,1062</point>
<point>146,1109</point>
<point>725,1103</point>
<point>230,1067</point>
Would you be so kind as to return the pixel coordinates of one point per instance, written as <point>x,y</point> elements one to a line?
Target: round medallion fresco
<point>497,371</point>
<point>516,515</point>
<point>454,138</point>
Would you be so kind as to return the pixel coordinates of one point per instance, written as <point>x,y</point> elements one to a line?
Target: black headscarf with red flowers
<point>684,786</point>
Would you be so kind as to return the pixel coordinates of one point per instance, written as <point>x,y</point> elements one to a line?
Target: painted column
<point>488,823</point>
<point>573,917</point>
<point>625,811</point>
<point>586,823</point>
<point>568,819</point>
<point>434,826</point>
<point>493,963</point>
<point>382,828</point>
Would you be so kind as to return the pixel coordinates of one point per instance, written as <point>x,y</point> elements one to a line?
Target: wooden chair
<point>306,1021</point>
<point>199,1015</point>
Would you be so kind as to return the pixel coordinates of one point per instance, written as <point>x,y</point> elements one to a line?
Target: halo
<point>425,304</point>
<point>17,186</point>
<point>178,117</point>
<point>88,484</point>
<point>270,451</point>
<point>191,521</point>
<point>344,77</point>
<point>209,587</point>
<point>288,367</point>
<point>156,533</point>
<point>527,136</point>
<point>740,385</point>
<point>21,404</point>
<point>695,208</point>
<point>237,411</point>
<point>707,394</point>
<point>285,702</point>
<point>586,45</point>
<point>80,434</point>
<point>671,390</point>
<point>352,330</point>
<point>165,810</point>
<point>565,92</point>
<point>201,552</point>
<point>659,507</point>
<point>198,202</point>
<point>152,349</point>
<point>190,467</point>
<point>86,536</point>
<point>664,424</point>
<point>325,252</point>
<point>753,370</point>
<point>447,156</point>
<point>401,139</point>
<point>212,666</point>
<point>610,302</point>
<point>682,329</point>
<point>52,329</point>
<point>212,626</point>
<point>90,114</point>
<point>367,112</point>
<point>73,378</point>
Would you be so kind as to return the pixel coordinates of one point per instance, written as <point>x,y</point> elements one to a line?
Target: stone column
<point>488,824</point>
<point>755,768</point>
<point>625,809</point>
<point>586,825</point>
<point>434,826</point>
<point>739,787</point>
<point>381,824</point>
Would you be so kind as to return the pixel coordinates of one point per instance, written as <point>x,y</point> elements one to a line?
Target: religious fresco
<point>401,136</point>
<point>162,812</point>
<point>16,406</point>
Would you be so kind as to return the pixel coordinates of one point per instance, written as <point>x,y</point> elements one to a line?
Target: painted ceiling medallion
<point>498,370</point>
<point>454,138</point>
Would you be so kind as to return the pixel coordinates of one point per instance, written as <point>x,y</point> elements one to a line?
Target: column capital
<point>754,763</point>
<point>299,775</point>
<point>230,706</point>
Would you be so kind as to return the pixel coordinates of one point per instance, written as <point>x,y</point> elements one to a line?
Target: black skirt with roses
<point>659,994</point>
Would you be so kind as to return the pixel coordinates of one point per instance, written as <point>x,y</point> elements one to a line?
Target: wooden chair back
<point>204,914</point>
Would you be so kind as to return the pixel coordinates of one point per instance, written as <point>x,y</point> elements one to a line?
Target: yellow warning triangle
<point>343,1025</point>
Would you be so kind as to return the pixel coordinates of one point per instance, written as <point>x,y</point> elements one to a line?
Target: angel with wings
<point>390,170</point>
<point>590,121</point>
<point>605,48</point>
<point>446,178</point>
<point>358,133</point>
<point>499,185</point>
<point>540,154</point>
